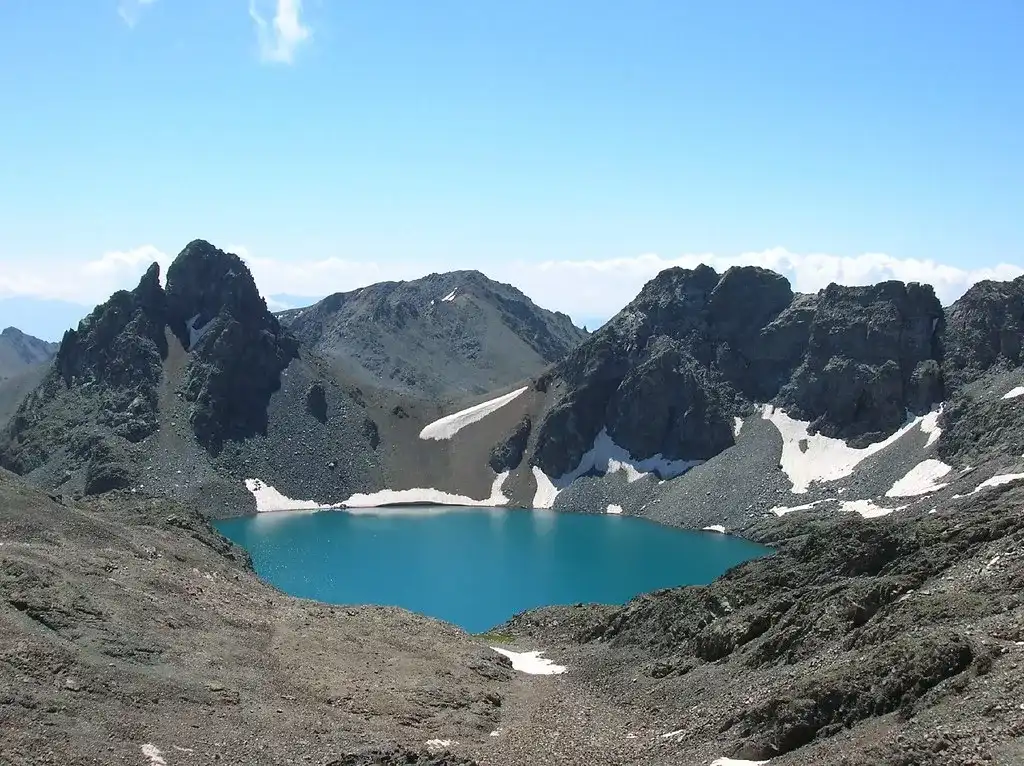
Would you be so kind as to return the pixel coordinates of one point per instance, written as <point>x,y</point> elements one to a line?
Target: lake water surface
<point>476,567</point>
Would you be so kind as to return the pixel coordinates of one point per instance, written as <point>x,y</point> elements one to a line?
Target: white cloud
<point>599,287</point>
<point>83,282</point>
<point>280,37</point>
<point>130,10</point>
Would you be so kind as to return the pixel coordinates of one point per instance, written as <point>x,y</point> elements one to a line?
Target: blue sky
<point>392,138</point>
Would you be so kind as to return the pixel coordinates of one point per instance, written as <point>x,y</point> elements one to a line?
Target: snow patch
<point>868,509</point>
<point>195,334</point>
<point>808,458</point>
<point>737,426</point>
<point>671,734</point>
<point>607,457</point>
<point>531,663</point>
<point>781,510</point>
<point>1014,393</point>
<point>614,510</point>
<point>450,296</point>
<point>448,426</point>
<point>155,756</point>
<point>269,499</point>
<point>922,479</point>
<point>546,492</point>
<point>998,481</point>
<point>438,746</point>
<point>930,426</point>
<point>736,762</point>
<point>714,528</point>
<point>426,495</point>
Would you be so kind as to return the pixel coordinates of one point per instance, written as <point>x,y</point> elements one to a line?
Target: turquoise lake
<point>476,567</point>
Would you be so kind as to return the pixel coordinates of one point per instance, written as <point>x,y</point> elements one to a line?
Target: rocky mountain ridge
<point>669,374</point>
<point>446,335</point>
<point>19,351</point>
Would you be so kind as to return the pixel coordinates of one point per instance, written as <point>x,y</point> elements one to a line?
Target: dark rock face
<point>985,328</point>
<point>108,371</point>
<point>695,349</point>
<point>507,455</point>
<point>316,402</point>
<point>445,334</point>
<point>371,432</point>
<point>110,466</point>
<point>871,355</point>
<point>238,347</point>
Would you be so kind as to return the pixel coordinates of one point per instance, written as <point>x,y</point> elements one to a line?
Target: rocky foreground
<point>134,634</point>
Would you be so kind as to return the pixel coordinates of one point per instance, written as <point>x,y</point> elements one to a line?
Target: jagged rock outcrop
<point>105,384</point>
<point>983,355</point>
<point>695,349</point>
<point>106,374</point>
<point>19,351</point>
<point>872,354</point>
<point>451,334</point>
<point>508,454</point>
<point>985,328</point>
<point>238,348</point>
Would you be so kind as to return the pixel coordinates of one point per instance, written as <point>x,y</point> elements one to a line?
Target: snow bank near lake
<point>922,479</point>
<point>448,426</point>
<point>269,499</point>
<point>531,663</point>
<point>714,528</point>
<point>546,492</point>
<point>807,458</point>
<point>426,495</point>
<point>615,510</point>
<point>607,457</point>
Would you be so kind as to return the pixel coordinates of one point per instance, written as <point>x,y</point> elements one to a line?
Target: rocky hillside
<point>19,351</point>
<point>445,335</point>
<point>134,634</point>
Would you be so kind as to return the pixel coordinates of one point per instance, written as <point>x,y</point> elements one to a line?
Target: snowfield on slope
<point>808,458</point>
<point>922,479</point>
<point>607,457</point>
<point>449,425</point>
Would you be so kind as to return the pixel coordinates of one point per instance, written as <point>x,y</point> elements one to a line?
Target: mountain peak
<point>204,281</point>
